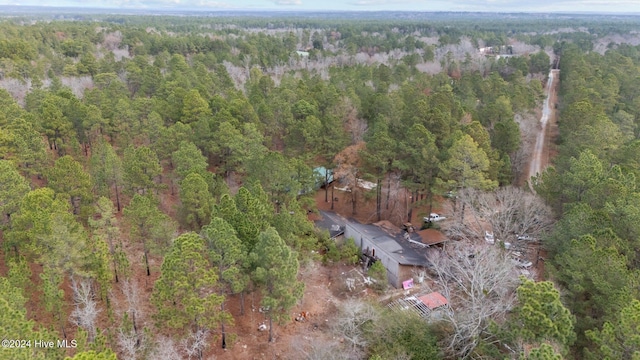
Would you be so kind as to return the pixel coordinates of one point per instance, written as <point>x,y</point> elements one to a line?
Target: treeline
<point>266,42</point>
<point>593,188</point>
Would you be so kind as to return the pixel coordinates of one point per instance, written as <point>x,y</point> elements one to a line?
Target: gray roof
<point>331,222</point>
<point>398,248</point>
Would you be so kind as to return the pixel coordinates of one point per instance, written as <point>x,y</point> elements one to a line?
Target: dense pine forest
<point>159,181</point>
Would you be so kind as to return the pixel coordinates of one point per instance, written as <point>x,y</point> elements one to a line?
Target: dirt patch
<point>541,156</point>
<point>319,302</point>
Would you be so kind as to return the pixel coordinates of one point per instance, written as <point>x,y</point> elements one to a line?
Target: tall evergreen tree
<point>141,168</point>
<point>148,226</point>
<point>276,271</point>
<point>185,295</point>
<point>13,187</point>
<point>69,178</point>
<point>106,170</point>
<point>197,202</point>
<point>227,256</point>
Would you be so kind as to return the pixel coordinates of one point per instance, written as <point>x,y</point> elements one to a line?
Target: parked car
<point>488,237</point>
<point>524,237</point>
<point>433,217</point>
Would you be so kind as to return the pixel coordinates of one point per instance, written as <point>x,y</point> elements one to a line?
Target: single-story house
<point>401,252</point>
<point>394,250</point>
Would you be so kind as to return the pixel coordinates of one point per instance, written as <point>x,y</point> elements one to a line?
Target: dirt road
<point>539,158</point>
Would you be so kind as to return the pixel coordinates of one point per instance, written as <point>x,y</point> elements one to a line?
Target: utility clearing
<point>540,156</point>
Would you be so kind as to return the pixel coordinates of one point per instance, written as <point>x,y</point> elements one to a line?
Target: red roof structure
<point>432,236</point>
<point>433,300</point>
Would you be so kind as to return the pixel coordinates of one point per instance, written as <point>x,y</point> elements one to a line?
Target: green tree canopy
<point>13,187</point>
<point>540,315</point>
<point>619,338</point>
<point>141,168</point>
<point>184,295</point>
<point>276,271</point>
<point>148,225</point>
<point>68,178</point>
<point>196,202</point>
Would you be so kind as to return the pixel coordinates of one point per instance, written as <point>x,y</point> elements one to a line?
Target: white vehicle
<point>433,217</point>
<point>524,237</point>
<point>488,237</point>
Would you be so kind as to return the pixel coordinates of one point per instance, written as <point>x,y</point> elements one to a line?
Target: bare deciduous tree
<point>350,322</point>
<point>133,307</point>
<point>479,282</point>
<point>86,308</point>
<point>318,348</point>
<point>195,344</point>
<point>128,342</point>
<point>507,212</point>
<point>354,125</point>
<point>165,349</point>
<point>77,84</point>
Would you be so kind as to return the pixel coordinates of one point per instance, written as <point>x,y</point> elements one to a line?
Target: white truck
<point>433,217</point>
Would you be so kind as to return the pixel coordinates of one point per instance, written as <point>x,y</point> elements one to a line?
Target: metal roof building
<point>395,252</point>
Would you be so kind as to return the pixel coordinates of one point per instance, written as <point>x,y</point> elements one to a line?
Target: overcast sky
<point>618,6</point>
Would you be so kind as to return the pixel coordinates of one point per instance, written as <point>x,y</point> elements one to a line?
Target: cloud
<point>386,2</point>
<point>288,2</point>
<point>131,4</point>
<point>369,2</point>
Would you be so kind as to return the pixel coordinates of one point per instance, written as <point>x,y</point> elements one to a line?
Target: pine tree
<point>466,166</point>
<point>147,225</point>
<point>106,170</point>
<point>15,325</point>
<point>69,178</point>
<point>276,271</point>
<point>185,295</point>
<point>13,187</point>
<point>196,200</point>
<point>105,228</point>
<point>540,316</point>
<point>227,256</point>
<point>141,168</point>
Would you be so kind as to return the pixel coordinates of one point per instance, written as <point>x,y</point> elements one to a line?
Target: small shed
<point>323,176</point>
<point>433,300</point>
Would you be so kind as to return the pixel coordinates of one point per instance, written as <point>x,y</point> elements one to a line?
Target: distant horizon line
<point>310,11</point>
